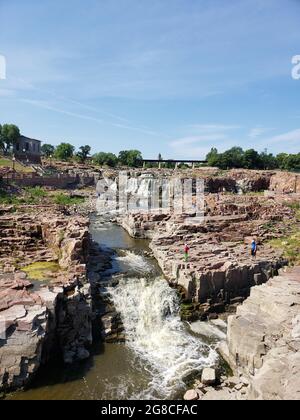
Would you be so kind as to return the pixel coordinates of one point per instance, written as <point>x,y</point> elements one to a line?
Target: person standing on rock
<point>186,252</point>
<point>254,248</point>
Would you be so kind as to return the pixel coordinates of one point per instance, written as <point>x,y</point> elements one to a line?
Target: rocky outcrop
<point>216,387</point>
<point>216,181</point>
<point>263,340</point>
<point>239,181</point>
<point>143,225</point>
<point>44,234</point>
<point>285,182</point>
<point>220,270</point>
<point>55,316</point>
<point>109,323</point>
<point>34,325</point>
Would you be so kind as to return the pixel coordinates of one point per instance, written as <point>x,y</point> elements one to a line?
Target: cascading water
<point>131,262</point>
<point>149,310</point>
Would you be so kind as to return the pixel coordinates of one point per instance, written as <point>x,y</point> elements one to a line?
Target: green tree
<point>234,157</point>
<point>268,161</point>
<point>292,162</point>
<point>213,157</point>
<point>64,151</point>
<point>83,153</point>
<point>130,158</point>
<point>282,160</point>
<point>9,136</point>
<point>252,159</point>
<point>103,158</point>
<point>47,150</point>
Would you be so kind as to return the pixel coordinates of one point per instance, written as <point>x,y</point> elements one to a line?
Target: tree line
<point>66,151</point>
<point>10,133</point>
<point>236,157</point>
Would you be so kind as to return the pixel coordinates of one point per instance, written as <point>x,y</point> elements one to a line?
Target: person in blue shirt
<point>254,248</point>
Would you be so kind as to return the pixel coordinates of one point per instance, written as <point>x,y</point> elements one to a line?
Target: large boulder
<point>208,376</point>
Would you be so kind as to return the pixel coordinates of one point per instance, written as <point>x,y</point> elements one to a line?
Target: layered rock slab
<point>263,339</point>
<point>54,316</point>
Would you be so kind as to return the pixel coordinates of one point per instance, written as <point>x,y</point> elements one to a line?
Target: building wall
<point>28,149</point>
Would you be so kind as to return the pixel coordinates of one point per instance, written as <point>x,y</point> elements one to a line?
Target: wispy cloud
<point>50,107</point>
<point>198,147</point>
<point>186,141</point>
<point>6,93</point>
<point>209,135</point>
<point>213,127</point>
<point>288,140</point>
<point>258,131</point>
<point>45,105</point>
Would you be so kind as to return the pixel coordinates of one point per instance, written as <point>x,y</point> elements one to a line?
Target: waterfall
<point>149,310</point>
<point>133,263</point>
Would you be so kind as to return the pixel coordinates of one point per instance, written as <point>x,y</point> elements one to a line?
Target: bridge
<point>173,161</point>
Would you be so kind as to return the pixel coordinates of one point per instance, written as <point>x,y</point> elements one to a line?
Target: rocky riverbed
<point>50,269</point>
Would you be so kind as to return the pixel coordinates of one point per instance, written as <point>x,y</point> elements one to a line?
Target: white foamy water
<point>135,262</point>
<point>149,311</point>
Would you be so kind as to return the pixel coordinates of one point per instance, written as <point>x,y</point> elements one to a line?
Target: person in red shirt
<point>186,252</point>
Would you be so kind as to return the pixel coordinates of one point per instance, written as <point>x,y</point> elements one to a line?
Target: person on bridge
<point>254,248</point>
<point>186,252</point>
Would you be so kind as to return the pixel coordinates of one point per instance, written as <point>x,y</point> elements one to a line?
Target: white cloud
<point>196,147</point>
<point>258,131</point>
<point>185,141</point>
<point>202,139</point>
<point>290,138</point>
<point>7,93</point>
<point>46,105</point>
<point>213,127</point>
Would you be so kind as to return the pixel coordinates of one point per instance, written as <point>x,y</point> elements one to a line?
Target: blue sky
<point>163,76</point>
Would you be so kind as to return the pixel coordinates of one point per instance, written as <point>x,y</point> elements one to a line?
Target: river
<point>161,354</point>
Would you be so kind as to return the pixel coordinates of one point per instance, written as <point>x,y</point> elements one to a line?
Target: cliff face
<point>285,182</point>
<point>263,340</point>
<point>51,317</point>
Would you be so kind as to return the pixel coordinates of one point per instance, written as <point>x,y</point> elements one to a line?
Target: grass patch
<point>38,195</point>
<point>7,163</point>
<point>255,193</point>
<point>290,246</point>
<point>67,200</point>
<point>294,206</point>
<point>6,198</point>
<point>269,225</point>
<point>36,192</point>
<point>29,196</point>
<point>41,270</point>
